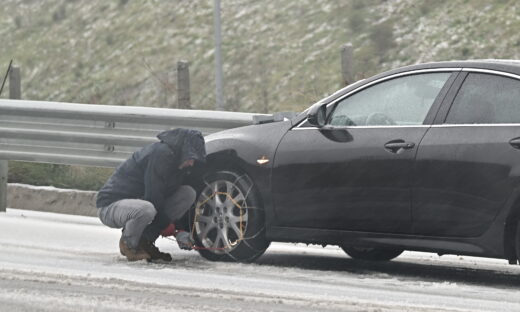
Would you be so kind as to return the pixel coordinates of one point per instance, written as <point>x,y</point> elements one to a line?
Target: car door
<point>468,164</point>
<point>355,173</point>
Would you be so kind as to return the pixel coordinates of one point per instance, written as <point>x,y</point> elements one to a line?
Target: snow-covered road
<point>52,262</point>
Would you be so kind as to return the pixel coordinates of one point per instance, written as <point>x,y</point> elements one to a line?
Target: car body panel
<point>241,148</point>
<point>460,183</point>
<point>335,185</point>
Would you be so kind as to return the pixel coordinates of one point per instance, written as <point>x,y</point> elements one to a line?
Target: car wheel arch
<point>230,160</point>
<point>225,159</point>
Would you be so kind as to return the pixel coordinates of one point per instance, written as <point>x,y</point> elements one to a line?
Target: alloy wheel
<point>221,216</point>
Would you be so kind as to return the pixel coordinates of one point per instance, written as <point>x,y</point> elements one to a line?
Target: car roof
<point>503,65</point>
<point>512,66</point>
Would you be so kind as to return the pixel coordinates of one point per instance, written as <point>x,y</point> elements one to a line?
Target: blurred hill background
<point>279,55</point>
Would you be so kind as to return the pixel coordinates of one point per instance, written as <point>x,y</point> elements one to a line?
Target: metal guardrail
<point>95,135</point>
<point>92,135</point>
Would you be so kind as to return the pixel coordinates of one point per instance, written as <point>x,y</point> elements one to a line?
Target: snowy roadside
<point>51,199</point>
<point>53,262</point>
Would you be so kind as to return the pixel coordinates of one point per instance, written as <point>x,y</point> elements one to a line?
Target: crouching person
<point>147,192</point>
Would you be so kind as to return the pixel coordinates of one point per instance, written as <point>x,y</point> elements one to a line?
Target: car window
<point>400,101</point>
<point>486,99</point>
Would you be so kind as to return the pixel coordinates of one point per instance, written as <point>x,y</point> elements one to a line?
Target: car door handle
<point>398,145</point>
<point>515,143</point>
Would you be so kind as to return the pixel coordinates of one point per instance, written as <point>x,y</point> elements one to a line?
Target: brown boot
<point>132,254</point>
<point>153,251</point>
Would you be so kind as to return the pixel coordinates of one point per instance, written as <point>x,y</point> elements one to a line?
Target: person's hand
<point>169,230</point>
<point>187,163</point>
<point>184,240</point>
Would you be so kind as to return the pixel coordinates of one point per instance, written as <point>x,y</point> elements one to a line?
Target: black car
<point>424,157</point>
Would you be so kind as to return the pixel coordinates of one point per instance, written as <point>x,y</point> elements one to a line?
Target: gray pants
<point>139,218</point>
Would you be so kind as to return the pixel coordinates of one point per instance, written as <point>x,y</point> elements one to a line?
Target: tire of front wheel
<point>253,244</point>
<point>517,241</point>
<point>372,254</point>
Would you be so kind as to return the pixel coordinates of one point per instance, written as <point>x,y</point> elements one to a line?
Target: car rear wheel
<point>229,223</point>
<point>372,254</point>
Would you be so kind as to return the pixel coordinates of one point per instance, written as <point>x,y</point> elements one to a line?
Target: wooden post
<point>15,85</point>
<point>183,85</point>
<point>15,93</point>
<point>347,64</point>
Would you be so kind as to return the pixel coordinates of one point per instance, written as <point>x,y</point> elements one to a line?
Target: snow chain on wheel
<point>228,222</point>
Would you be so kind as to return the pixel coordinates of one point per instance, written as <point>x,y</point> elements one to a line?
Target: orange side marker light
<point>262,161</point>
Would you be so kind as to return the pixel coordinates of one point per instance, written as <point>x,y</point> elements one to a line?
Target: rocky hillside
<point>278,54</point>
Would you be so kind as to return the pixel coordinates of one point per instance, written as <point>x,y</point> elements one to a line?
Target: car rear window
<point>486,99</point>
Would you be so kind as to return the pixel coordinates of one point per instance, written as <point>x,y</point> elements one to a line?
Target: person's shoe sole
<point>130,254</point>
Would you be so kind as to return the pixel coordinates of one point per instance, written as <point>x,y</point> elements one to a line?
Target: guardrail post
<point>347,62</point>
<point>183,85</point>
<point>3,185</point>
<point>109,125</point>
<point>15,84</point>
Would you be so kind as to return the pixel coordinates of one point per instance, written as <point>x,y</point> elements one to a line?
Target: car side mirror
<point>317,115</point>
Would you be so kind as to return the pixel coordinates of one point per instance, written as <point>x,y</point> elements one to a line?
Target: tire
<point>228,221</point>
<point>372,254</point>
<point>517,241</point>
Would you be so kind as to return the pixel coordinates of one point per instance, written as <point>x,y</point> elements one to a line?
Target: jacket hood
<point>190,143</point>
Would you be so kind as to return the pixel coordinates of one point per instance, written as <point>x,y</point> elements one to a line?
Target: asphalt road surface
<point>52,262</point>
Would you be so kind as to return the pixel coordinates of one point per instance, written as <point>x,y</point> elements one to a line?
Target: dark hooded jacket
<point>152,173</point>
